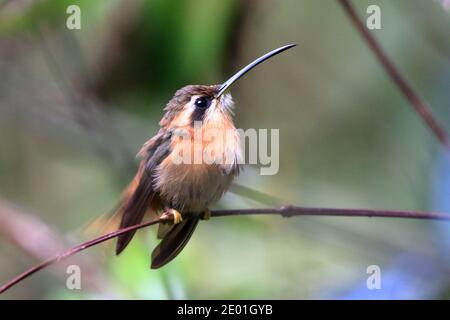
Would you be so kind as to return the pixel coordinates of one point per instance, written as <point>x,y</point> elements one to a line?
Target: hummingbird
<point>185,190</point>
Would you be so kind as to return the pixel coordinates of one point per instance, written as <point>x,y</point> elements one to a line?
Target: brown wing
<point>141,192</point>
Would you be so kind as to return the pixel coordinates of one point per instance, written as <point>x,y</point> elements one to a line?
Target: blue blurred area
<point>413,276</point>
<point>408,276</point>
<point>440,201</point>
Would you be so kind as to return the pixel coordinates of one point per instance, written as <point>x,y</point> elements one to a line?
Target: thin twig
<point>285,211</point>
<point>74,250</point>
<point>407,90</point>
<point>17,221</point>
<point>293,211</point>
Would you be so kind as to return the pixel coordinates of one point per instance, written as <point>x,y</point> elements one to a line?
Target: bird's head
<point>207,103</point>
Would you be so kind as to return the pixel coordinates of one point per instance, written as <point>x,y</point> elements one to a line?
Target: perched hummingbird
<point>185,190</point>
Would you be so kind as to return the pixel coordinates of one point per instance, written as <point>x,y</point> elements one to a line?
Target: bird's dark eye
<point>202,102</point>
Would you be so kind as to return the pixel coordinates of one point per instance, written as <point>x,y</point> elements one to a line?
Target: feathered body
<point>204,115</point>
<point>163,183</point>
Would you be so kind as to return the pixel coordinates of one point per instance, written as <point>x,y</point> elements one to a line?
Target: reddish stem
<point>408,92</point>
<point>285,211</point>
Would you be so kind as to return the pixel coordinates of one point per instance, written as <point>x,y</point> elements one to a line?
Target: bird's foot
<point>206,214</point>
<point>175,215</point>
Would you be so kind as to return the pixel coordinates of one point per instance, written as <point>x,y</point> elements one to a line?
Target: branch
<point>400,81</point>
<point>285,211</point>
<point>41,241</point>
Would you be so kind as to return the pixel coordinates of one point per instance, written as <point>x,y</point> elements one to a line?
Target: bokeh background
<point>76,105</point>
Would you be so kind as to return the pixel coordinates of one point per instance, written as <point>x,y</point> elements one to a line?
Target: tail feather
<point>173,242</point>
<point>128,219</point>
<point>133,210</point>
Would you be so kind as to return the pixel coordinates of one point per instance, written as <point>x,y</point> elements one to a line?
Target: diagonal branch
<point>17,221</point>
<point>400,81</point>
<point>285,211</point>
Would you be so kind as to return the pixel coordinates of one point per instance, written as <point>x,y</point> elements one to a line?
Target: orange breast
<point>205,170</point>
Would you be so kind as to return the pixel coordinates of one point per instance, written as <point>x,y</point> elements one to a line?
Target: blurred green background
<point>76,105</point>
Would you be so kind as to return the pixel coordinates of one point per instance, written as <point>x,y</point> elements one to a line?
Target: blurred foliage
<point>348,139</point>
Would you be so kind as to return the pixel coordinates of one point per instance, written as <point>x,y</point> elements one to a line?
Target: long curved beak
<point>250,66</point>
